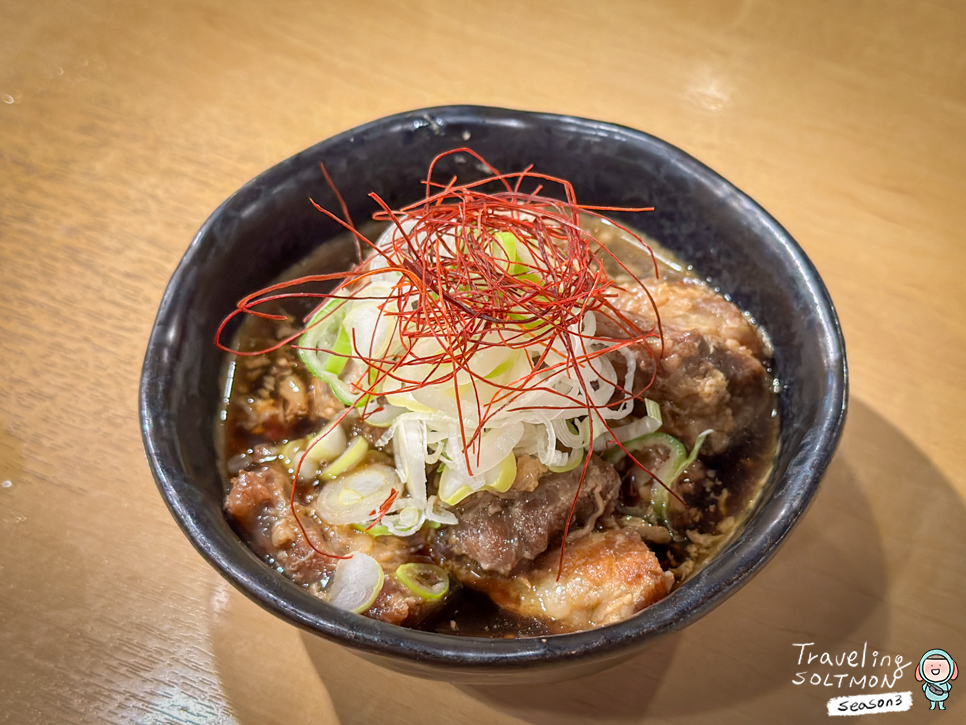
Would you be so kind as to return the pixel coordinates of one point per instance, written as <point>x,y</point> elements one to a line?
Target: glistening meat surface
<point>497,532</point>
<point>711,375</point>
<point>605,578</point>
<point>259,503</point>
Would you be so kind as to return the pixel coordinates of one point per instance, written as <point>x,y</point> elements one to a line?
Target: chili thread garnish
<point>383,508</point>
<point>459,288</point>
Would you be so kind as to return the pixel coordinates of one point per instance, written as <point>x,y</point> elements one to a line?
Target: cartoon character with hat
<point>936,670</point>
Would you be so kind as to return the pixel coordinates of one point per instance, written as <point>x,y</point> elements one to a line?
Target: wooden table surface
<point>124,124</point>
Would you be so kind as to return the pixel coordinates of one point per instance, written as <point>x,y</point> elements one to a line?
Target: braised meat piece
<point>711,375</point>
<point>277,398</point>
<point>259,502</point>
<point>499,531</point>
<point>703,385</point>
<point>605,578</point>
<point>283,400</point>
<point>324,404</point>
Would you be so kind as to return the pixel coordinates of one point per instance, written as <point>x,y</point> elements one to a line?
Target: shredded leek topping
<point>461,414</point>
<point>526,388</point>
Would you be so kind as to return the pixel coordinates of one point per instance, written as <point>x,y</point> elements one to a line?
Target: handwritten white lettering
<point>886,670</point>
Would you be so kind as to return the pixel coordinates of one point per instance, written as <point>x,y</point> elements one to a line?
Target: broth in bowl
<point>513,417</point>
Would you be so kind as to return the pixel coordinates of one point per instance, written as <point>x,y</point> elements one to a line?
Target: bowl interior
<point>270,223</point>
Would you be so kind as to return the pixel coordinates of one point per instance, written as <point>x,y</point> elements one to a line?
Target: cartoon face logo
<point>936,670</point>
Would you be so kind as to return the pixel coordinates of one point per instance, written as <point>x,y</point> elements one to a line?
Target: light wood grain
<point>122,125</point>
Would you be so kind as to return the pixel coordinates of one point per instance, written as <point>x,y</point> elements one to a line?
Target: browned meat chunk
<point>248,496</point>
<point>284,401</point>
<point>693,306</point>
<point>711,375</point>
<point>705,385</point>
<point>529,471</point>
<point>325,405</point>
<point>278,396</point>
<point>498,531</point>
<point>605,578</point>
<point>259,502</point>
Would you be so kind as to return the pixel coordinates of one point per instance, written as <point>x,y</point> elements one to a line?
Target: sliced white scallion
<point>350,457</point>
<point>309,453</point>
<point>501,478</point>
<point>406,522</point>
<point>636,429</point>
<point>373,530</point>
<point>369,327</point>
<point>454,486</point>
<point>319,341</point>
<point>382,416</point>
<point>356,496</point>
<point>438,515</point>
<point>489,452</point>
<point>572,433</point>
<point>409,449</point>
<point>633,431</point>
<point>356,583</point>
<point>328,445</point>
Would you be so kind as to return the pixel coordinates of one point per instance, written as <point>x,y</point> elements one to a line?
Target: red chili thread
<point>456,290</point>
<point>383,508</point>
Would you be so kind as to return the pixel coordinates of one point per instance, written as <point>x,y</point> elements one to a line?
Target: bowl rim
<point>720,578</point>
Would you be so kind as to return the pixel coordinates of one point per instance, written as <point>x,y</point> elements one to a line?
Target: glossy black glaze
<point>268,224</point>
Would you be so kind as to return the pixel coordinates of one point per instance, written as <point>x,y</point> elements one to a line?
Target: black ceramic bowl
<point>268,224</point>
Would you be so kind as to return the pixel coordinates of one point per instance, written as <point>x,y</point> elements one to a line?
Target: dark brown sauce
<point>740,470</point>
<point>472,614</point>
<point>257,333</point>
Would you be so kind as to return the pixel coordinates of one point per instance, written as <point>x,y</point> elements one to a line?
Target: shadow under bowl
<point>268,224</point>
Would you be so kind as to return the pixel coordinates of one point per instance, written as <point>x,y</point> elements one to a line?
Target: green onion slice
<point>355,452</point>
<point>575,458</point>
<point>653,411</point>
<point>452,490</point>
<point>373,531</point>
<point>669,472</point>
<point>427,580</point>
<point>322,337</point>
